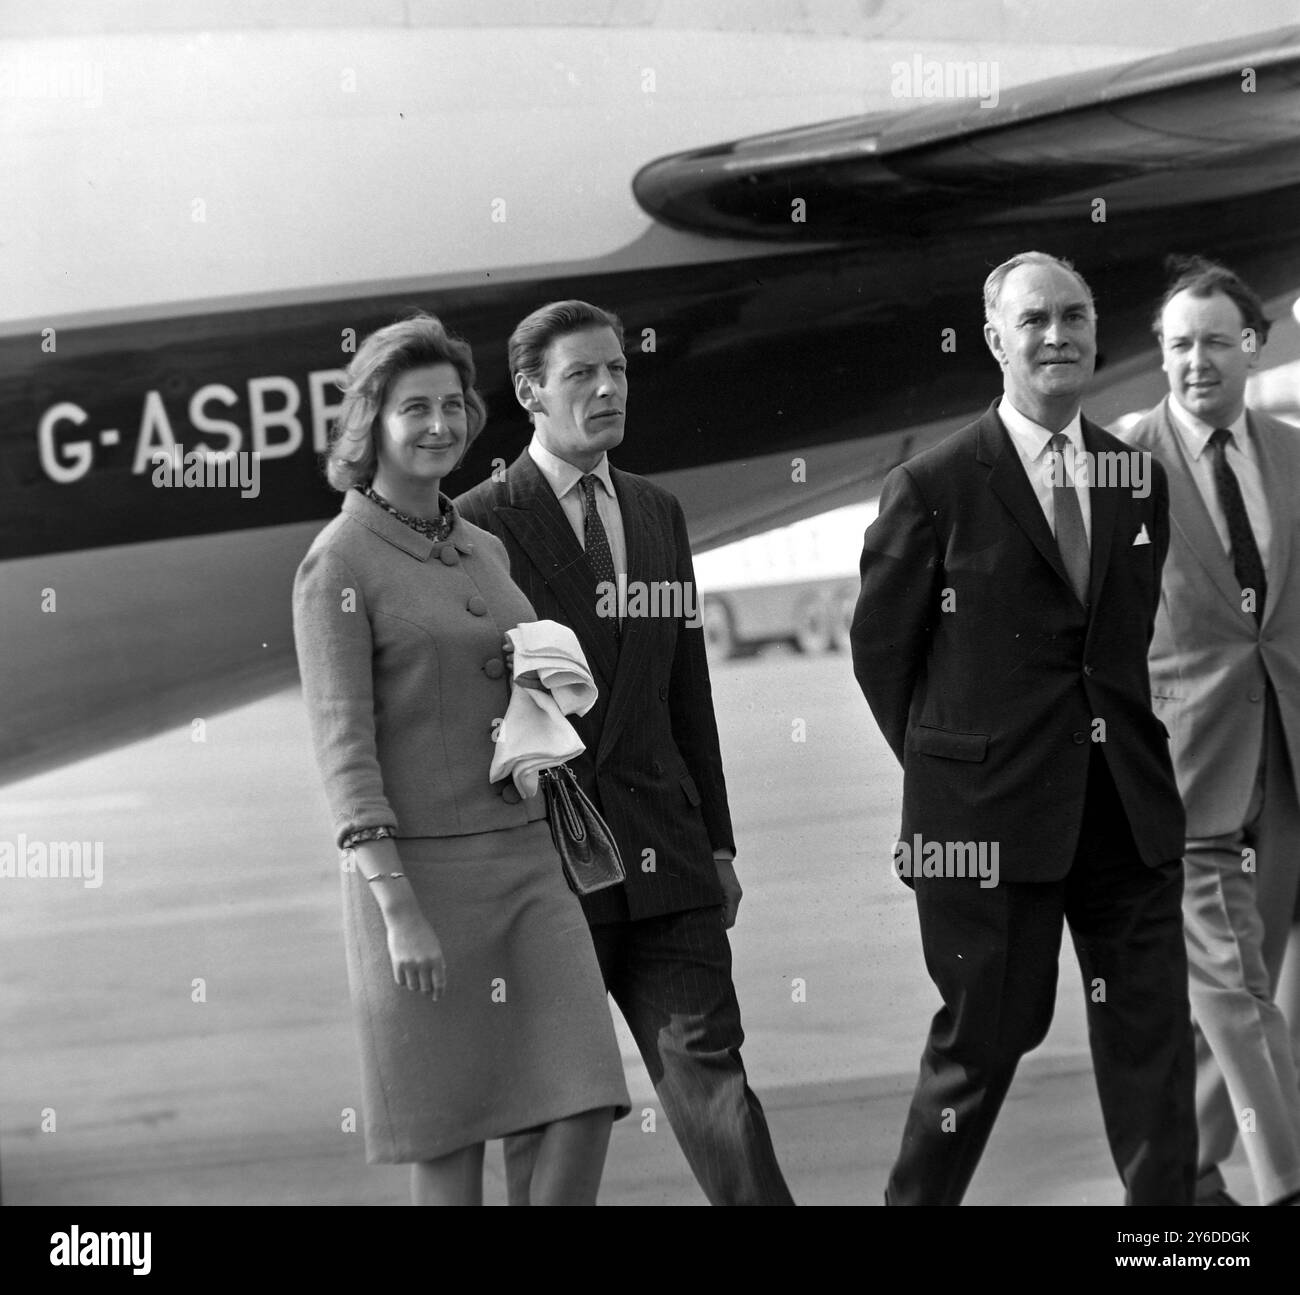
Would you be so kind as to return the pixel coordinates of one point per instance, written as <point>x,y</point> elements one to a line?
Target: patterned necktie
<point>1071,538</point>
<point>1246,561</point>
<point>595,540</point>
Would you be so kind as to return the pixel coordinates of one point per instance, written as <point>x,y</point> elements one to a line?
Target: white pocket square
<point>1142,536</point>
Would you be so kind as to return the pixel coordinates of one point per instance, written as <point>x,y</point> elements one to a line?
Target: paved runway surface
<point>183,1030</point>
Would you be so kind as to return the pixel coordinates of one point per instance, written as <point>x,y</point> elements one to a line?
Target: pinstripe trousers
<point>671,978</point>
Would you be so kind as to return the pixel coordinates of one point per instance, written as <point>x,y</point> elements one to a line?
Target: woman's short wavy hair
<point>387,353</point>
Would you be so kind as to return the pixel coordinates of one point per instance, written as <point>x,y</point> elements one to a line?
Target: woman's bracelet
<point>383,876</point>
<point>360,835</point>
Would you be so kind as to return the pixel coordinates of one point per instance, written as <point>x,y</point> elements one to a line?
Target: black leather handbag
<point>582,838</point>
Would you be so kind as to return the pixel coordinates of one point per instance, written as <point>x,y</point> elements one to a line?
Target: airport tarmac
<point>181,1033</point>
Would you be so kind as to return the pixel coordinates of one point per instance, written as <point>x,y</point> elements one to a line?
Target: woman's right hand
<point>416,954</point>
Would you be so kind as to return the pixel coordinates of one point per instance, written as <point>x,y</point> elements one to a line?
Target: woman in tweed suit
<point>479,1002</point>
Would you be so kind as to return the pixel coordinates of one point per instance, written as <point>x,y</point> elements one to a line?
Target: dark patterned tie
<point>594,539</point>
<point>1246,561</point>
<point>1071,538</point>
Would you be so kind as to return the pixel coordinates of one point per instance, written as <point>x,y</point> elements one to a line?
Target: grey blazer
<point>1210,661</point>
<point>399,647</point>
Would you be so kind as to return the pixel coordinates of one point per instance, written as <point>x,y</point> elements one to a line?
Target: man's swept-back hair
<point>385,355</point>
<point>993,284</point>
<point>1203,278</point>
<point>528,343</point>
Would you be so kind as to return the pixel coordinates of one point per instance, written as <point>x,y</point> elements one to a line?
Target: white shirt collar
<point>561,474</point>
<point>1196,432</point>
<point>1031,436</point>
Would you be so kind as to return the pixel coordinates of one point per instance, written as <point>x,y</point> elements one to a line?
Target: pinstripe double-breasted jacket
<point>652,763</point>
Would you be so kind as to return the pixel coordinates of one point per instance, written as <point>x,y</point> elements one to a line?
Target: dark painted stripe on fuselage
<point>727,361</point>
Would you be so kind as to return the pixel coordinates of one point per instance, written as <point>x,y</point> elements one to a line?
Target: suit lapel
<point>646,562</point>
<point>1280,490</point>
<point>1187,510</point>
<point>536,520</point>
<point>1008,481</point>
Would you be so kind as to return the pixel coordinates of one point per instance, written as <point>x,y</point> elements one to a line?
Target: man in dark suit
<point>592,548</point>
<point>1225,678</point>
<point>1009,588</point>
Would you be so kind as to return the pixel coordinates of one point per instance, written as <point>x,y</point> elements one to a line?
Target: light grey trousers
<point>1239,923</point>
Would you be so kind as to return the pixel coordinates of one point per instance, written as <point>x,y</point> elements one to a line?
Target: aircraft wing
<point>1217,121</point>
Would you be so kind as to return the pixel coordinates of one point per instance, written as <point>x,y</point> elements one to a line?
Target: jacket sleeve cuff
<point>359,835</point>
<point>363,820</point>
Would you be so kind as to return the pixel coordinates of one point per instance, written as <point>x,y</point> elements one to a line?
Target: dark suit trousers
<point>992,953</point>
<point>671,979</point>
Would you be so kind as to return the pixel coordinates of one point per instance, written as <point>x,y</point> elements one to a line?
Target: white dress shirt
<point>1031,442</point>
<point>563,478</point>
<point>1243,459</point>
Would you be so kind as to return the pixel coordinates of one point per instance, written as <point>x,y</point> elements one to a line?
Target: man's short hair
<point>1203,278</point>
<point>533,334</point>
<point>993,284</point>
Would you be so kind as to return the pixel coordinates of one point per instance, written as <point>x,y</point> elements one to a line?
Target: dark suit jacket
<point>986,673</point>
<point>652,763</point>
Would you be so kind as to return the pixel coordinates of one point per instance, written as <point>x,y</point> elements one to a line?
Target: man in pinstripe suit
<point>575,529</point>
